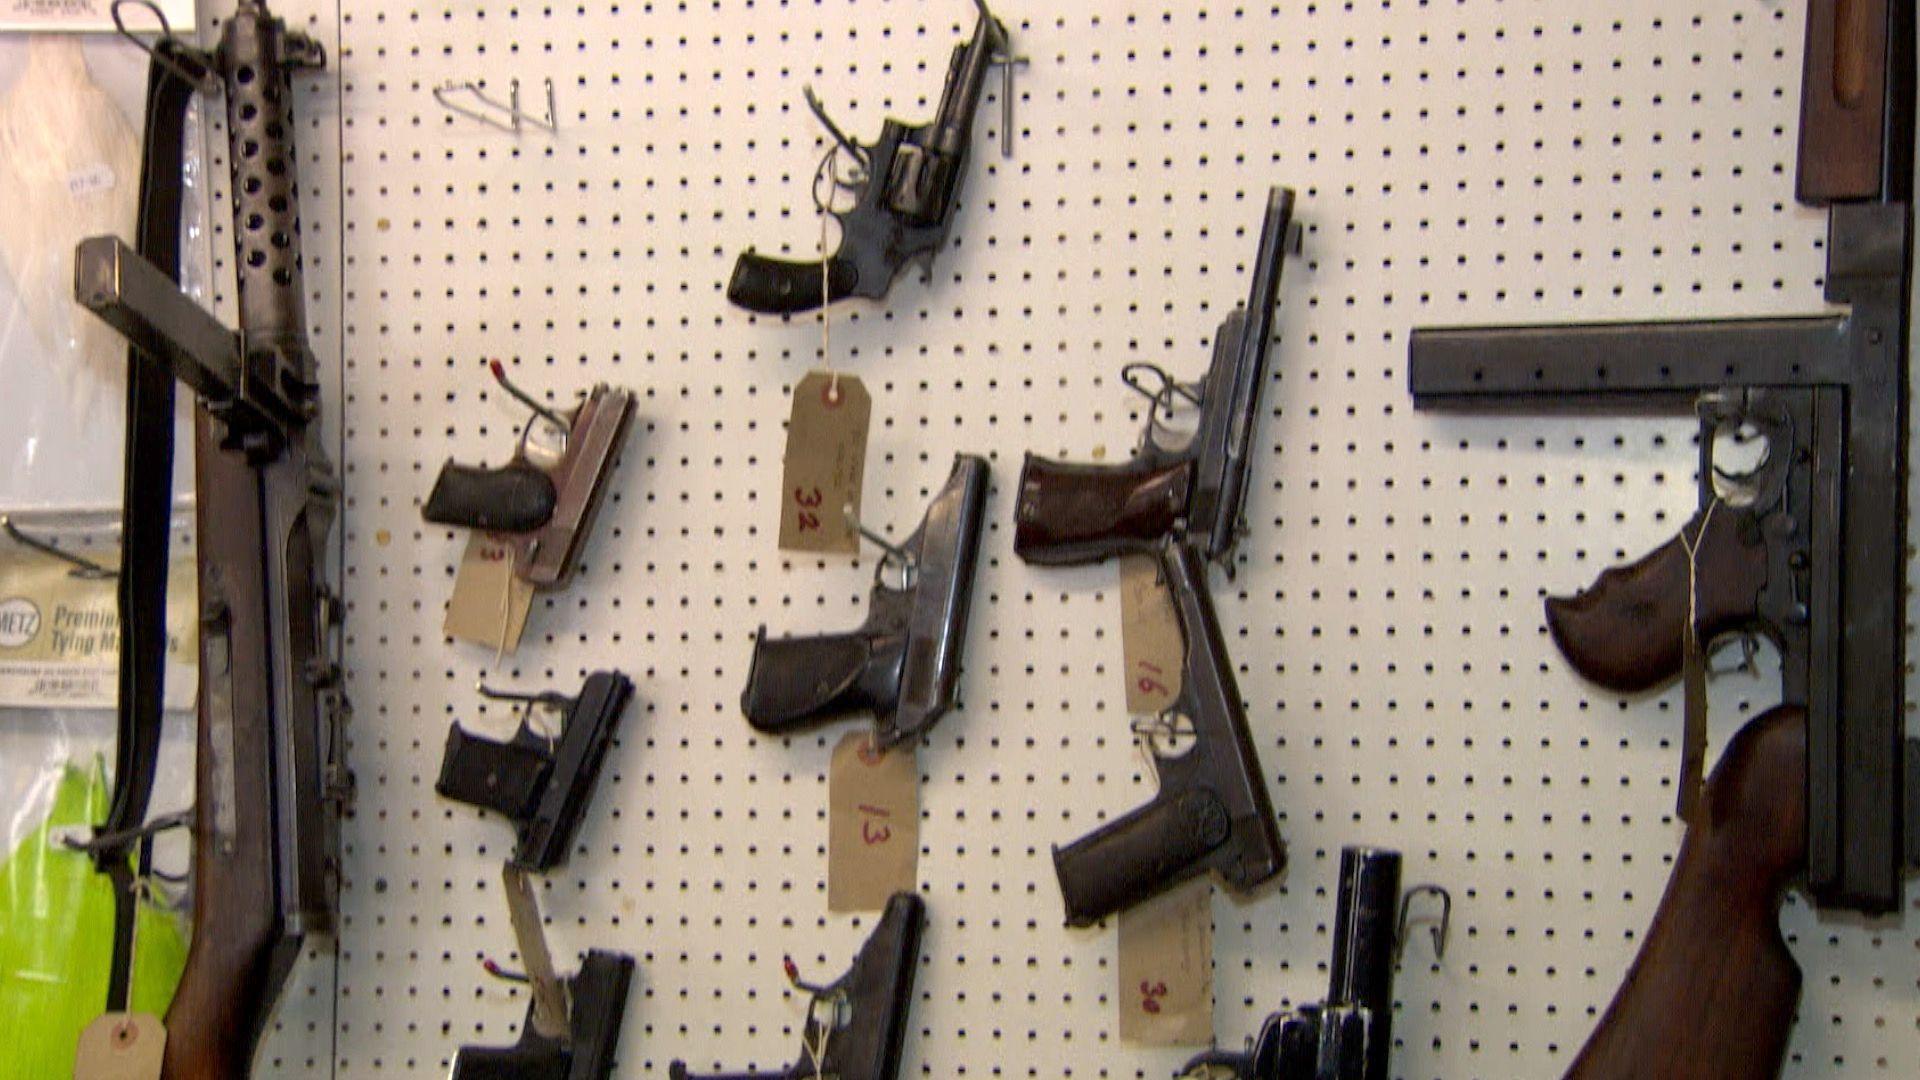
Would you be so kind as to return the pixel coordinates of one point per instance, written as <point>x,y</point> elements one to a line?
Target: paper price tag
<point>1151,646</point>
<point>489,604</point>
<point>826,462</point>
<point>873,824</point>
<point>121,1046</point>
<point>1166,968</point>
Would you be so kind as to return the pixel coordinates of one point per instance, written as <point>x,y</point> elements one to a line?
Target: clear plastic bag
<point>70,112</point>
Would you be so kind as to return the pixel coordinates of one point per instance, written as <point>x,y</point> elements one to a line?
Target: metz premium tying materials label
<point>60,635</point>
<point>489,603</point>
<point>121,1046</point>
<point>825,465</point>
<point>1166,967</point>
<point>873,824</point>
<point>1151,646</point>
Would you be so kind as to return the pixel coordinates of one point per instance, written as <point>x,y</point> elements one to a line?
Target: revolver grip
<point>783,287</point>
<point>1140,855</point>
<point>793,682</point>
<point>514,498</point>
<point>1627,632</point>
<point>1071,513</point>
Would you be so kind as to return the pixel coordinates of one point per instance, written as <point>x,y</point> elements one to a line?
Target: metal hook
<point>552,699</point>
<point>545,413</point>
<point>1439,932</point>
<point>909,565</point>
<point>1159,401</point>
<point>202,79</point>
<point>1007,64</point>
<point>444,92</point>
<point>858,152</point>
<point>84,568</point>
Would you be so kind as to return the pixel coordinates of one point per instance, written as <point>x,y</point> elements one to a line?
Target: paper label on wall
<point>489,604</point>
<point>1151,646</point>
<point>89,15</point>
<point>1166,968</point>
<point>826,462</point>
<point>60,634</point>
<point>873,824</point>
<point>121,1046</point>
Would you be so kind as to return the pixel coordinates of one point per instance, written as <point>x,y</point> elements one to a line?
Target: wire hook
<point>84,568</point>
<point>900,556</point>
<point>1439,932</point>
<point>202,79</point>
<point>445,92</point>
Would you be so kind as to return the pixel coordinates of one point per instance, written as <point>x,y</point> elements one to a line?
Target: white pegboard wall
<point>1456,162</point>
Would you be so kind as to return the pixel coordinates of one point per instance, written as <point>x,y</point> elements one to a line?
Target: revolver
<point>1347,1036</point>
<point>903,663</point>
<point>542,503</point>
<point>1212,811</point>
<point>903,187</point>
<point>856,1024</point>
<point>1071,513</point>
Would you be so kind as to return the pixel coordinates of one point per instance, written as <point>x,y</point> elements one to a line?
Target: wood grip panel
<point>1843,101</point>
<point>1627,631</point>
<point>1073,513</point>
<point>227,985</point>
<point>1713,991</point>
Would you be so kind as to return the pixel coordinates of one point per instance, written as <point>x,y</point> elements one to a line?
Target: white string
<point>826,288</point>
<point>1693,576</point>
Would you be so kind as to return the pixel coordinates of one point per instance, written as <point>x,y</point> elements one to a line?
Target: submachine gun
<point>270,766</point>
<point>1807,548</point>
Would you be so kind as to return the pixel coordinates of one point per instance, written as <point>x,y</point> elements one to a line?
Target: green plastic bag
<point>56,939</point>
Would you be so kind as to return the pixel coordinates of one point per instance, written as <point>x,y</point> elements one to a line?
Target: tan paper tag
<point>826,463</point>
<point>60,633</point>
<point>1151,645</point>
<point>121,1046</point>
<point>489,604</point>
<point>873,824</point>
<point>1166,967</point>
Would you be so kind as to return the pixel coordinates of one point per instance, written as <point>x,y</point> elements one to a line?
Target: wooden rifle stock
<point>1713,991</point>
<point>239,950</point>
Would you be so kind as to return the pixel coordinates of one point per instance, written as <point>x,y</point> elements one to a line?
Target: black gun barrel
<point>1234,381</point>
<point>1365,925</point>
<point>966,76</point>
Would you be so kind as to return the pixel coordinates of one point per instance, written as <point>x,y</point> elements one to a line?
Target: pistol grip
<point>793,682</point>
<point>505,777</point>
<point>783,287</point>
<point>1071,513</point>
<point>1627,632</point>
<point>515,498</point>
<point>1140,855</point>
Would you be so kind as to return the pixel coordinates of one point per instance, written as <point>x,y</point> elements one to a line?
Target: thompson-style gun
<point>903,663</point>
<point>1071,513</point>
<point>1808,548</point>
<point>1212,811</point>
<point>270,769</point>
<point>904,187</point>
